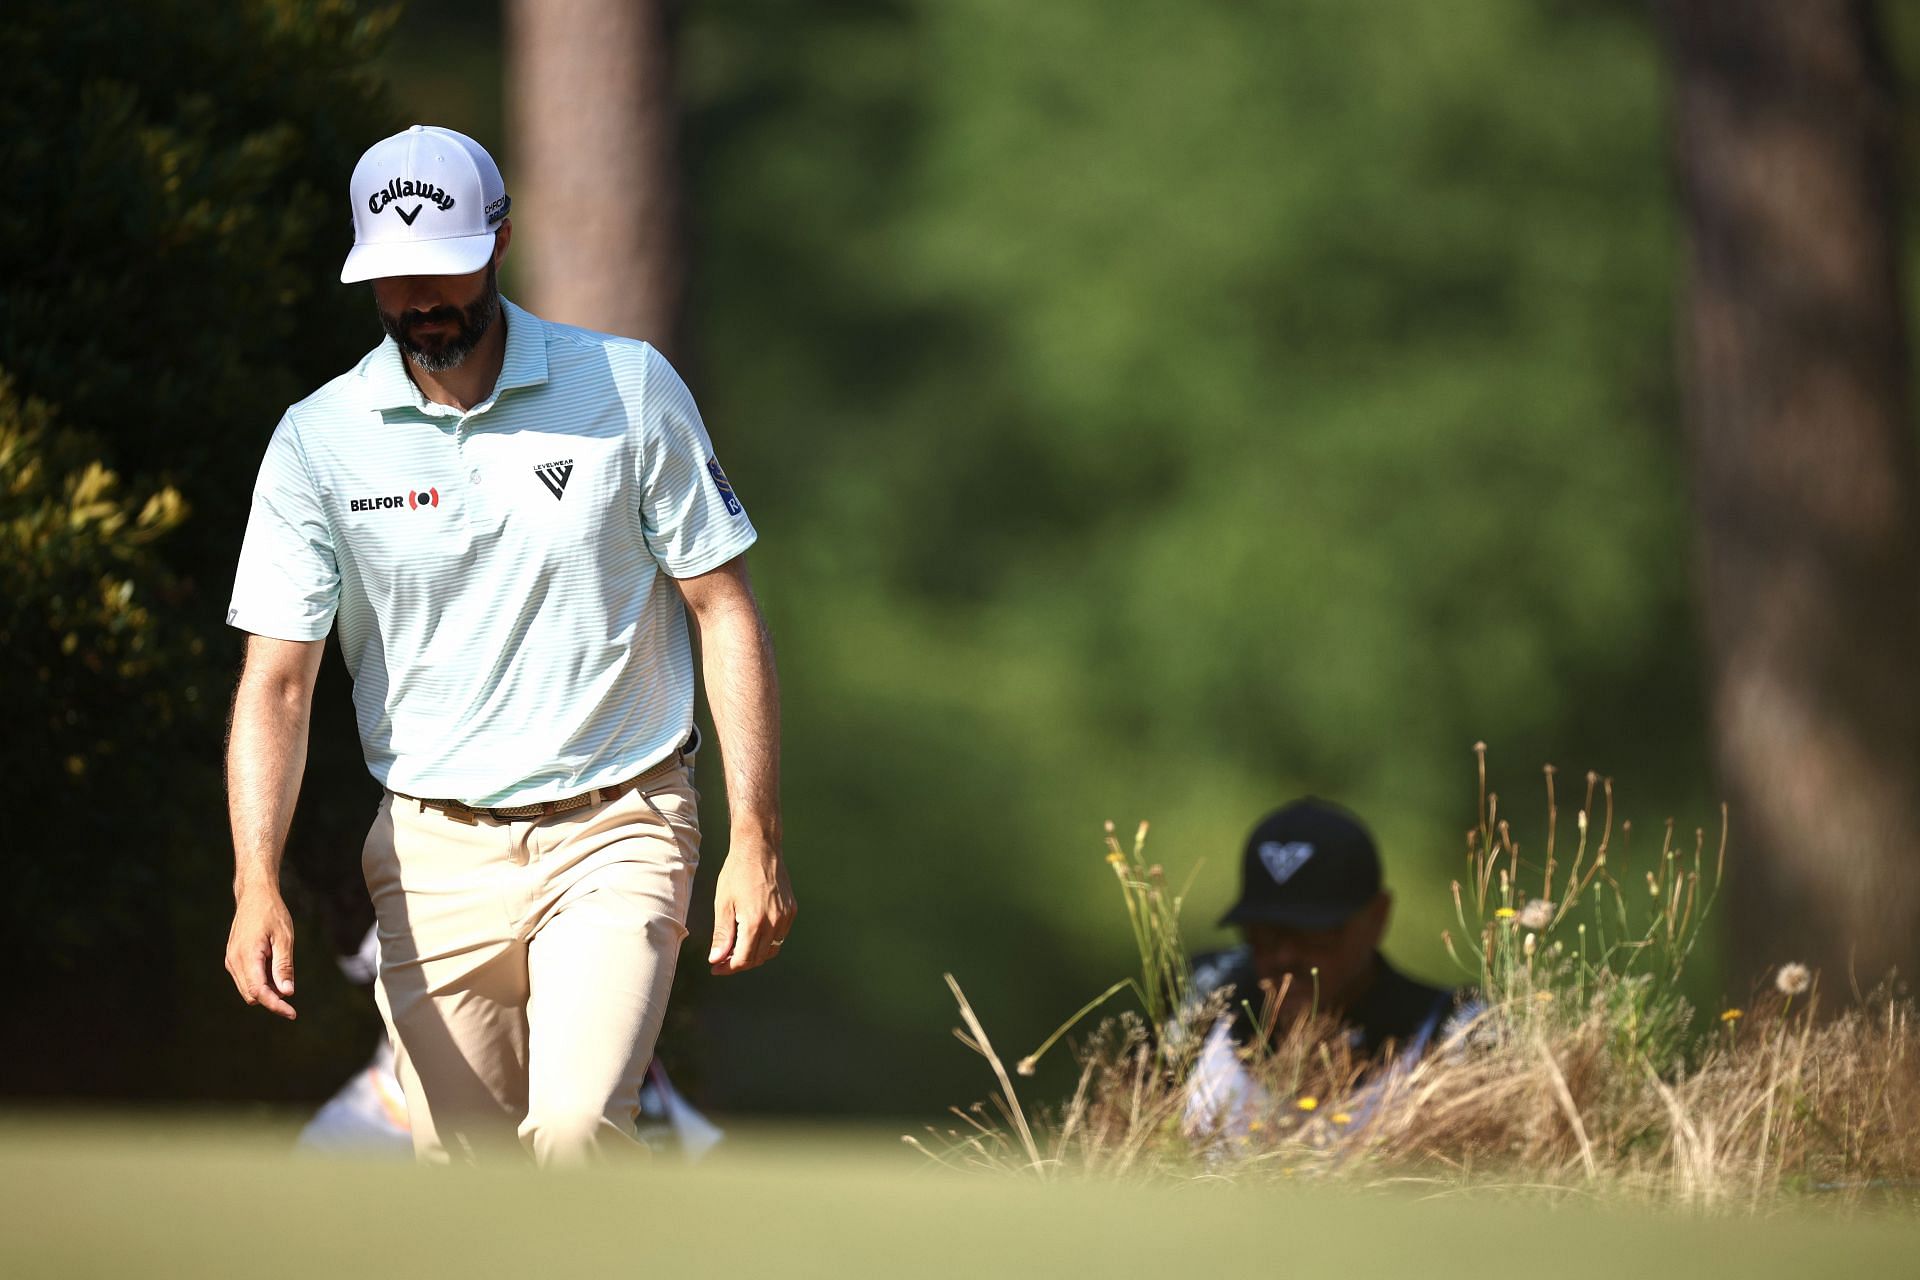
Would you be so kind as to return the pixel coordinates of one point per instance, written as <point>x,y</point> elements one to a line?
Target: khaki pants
<point>525,966</point>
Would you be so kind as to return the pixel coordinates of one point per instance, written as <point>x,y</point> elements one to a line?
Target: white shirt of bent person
<point>501,577</point>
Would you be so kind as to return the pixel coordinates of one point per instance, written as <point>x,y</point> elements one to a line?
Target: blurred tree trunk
<point>596,172</point>
<point>1804,477</point>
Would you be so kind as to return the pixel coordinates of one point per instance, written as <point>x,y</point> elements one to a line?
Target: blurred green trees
<point>173,223</point>
<point>1149,411</point>
<point>1161,411</point>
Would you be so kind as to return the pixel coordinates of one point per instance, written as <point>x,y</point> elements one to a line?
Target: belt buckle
<point>461,814</point>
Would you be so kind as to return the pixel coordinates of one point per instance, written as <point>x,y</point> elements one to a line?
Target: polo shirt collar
<point>524,365</point>
<point>526,360</point>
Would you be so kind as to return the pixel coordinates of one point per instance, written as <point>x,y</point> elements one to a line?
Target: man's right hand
<point>266,751</point>
<point>260,951</point>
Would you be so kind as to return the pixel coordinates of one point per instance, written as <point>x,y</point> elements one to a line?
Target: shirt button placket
<point>475,474</point>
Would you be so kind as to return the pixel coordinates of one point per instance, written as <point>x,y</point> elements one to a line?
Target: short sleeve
<point>692,519</point>
<point>288,583</point>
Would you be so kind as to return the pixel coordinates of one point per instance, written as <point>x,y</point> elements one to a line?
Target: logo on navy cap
<point>1282,860</point>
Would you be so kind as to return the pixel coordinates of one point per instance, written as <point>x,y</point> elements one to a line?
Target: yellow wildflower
<point>1732,1015</point>
<point>1117,859</point>
<point>1341,1117</point>
<point>1308,1103</point>
<point>1505,913</point>
<point>1256,1125</point>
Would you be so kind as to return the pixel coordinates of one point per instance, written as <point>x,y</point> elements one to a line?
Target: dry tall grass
<point>1579,1068</point>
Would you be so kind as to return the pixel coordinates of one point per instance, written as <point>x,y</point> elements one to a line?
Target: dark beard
<point>472,323</point>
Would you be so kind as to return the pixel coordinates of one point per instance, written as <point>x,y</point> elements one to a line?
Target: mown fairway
<point>166,1198</point>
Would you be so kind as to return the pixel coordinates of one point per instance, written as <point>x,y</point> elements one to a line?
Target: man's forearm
<point>753,903</point>
<point>266,756</point>
<point>743,691</point>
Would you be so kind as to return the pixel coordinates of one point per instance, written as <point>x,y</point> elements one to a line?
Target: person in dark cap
<point>1312,911</point>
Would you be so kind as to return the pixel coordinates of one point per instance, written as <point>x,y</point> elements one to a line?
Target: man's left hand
<point>753,909</point>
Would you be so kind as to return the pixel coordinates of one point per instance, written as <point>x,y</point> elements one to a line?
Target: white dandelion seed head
<point>1793,979</point>
<point>1536,915</point>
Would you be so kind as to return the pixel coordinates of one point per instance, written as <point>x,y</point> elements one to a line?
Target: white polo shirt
<point>499,576</point>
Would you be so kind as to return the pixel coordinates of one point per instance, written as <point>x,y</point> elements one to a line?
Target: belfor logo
<point>416,499</point>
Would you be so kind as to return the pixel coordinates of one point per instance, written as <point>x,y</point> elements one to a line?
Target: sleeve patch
<point>726,489</point>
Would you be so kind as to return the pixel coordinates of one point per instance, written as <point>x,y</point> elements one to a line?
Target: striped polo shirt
<point>500,576</point>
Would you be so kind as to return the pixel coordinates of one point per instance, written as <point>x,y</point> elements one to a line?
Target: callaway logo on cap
<point>425,203</point>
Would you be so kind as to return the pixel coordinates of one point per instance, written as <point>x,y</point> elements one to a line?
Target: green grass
<point>123,1195</point>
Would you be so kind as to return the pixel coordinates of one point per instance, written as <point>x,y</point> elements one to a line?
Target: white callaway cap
<point>425,203</point>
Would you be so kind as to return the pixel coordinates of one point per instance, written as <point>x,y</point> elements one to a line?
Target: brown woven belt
<point>459,811</point>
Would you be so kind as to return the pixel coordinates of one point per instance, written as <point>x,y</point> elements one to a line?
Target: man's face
<point>1343,954</point>
<point>438,320</point>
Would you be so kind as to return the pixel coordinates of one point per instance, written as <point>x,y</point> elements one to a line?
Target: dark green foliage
<point>173,226</point>
<point>81,570</point>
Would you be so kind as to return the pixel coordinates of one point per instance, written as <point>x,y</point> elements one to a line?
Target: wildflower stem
<point>984,1047</point>
<point>1027,1063</point>
<point>1553,827</point>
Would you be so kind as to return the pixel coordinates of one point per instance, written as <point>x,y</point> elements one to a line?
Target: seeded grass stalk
<point>1581,1068</point>
<point>1165,984</point>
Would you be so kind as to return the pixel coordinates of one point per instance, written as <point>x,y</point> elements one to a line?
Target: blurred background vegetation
<point>1148,412</point>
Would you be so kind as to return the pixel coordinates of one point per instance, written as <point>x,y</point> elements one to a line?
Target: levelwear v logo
<point>554,475</point>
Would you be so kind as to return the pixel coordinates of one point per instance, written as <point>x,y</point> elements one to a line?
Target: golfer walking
<point>509,522</point>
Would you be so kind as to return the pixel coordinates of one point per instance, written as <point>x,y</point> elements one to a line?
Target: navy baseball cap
<point>1310,865</point>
